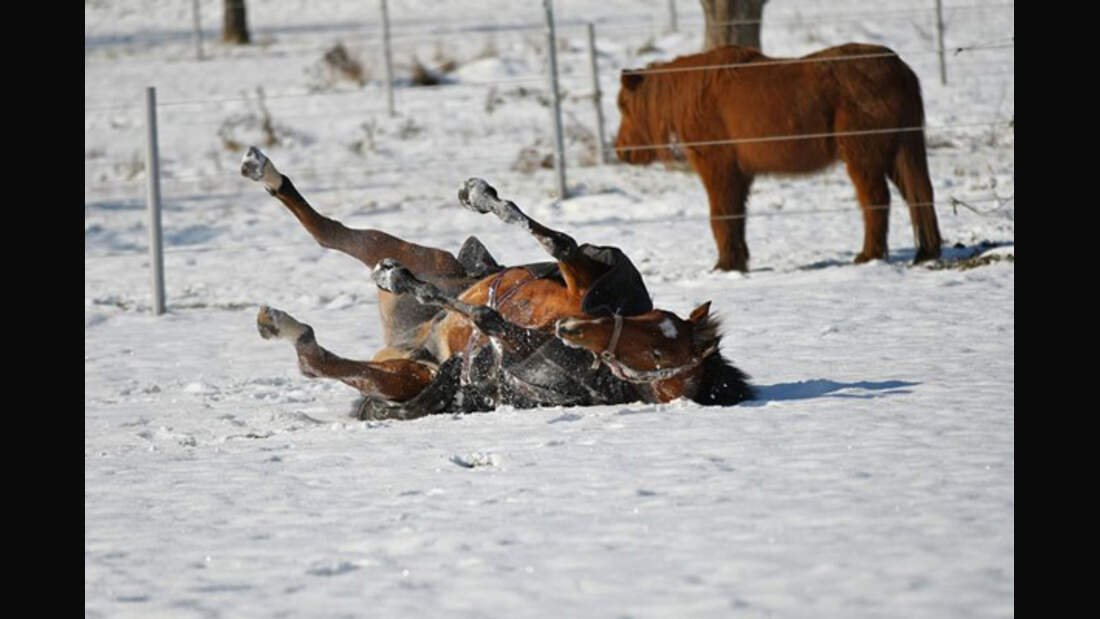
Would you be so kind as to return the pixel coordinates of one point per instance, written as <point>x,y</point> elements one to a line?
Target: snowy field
<point>873,477</point>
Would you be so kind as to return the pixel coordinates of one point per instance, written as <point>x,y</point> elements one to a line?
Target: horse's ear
<point>631,80</point>
<point>699,314</point>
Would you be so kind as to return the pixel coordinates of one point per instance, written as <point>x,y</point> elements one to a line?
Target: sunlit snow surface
<point>873,477</point>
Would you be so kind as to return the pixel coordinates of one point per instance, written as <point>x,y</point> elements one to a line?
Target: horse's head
<point>678,358</point>
<point>634,131</point>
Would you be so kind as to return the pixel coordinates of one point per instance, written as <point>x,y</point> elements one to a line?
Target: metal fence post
<point>672,26</point>
<point>152,199</point>
<point>939,41</point>
<point>596,95</point>
<point>387,53</point>
<point>559,143</point>
<point>197,28</point>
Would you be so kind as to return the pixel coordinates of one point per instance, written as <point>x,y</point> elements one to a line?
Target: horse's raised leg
<point>368,246</point>
<point>578,270</point>
<point>392,277</point>
<point>395,380</point>
<point>874,201</point>
<point>727,189</point>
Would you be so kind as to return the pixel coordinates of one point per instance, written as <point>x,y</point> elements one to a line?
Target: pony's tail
<point>910,174</point>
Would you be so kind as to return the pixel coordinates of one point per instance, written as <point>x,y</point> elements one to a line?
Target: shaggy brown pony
<point>847,98</point>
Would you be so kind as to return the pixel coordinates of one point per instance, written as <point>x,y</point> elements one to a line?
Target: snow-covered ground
<point>873,477</point>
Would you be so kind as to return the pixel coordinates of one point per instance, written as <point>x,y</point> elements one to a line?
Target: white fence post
<point>939,41</point>
<point>152,199</point>
<point>559,143</point>
<point>196,28</point>
<point>387,53</point>
<point>596,95</point>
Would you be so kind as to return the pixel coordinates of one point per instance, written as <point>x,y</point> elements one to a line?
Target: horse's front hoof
<point>864,256</point>
<point>473,193</point>
<point>731,265</point>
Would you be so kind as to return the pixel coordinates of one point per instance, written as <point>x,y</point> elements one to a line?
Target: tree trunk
<point>732,22</point>
<point>234,24</point>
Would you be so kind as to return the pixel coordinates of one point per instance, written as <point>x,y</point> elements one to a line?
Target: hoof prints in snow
<point>476,459</point>
<point>326,568</point>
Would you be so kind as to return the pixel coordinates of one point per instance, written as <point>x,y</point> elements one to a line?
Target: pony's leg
<point>874,201</point>
<point>910,175</point>
<point>727,189</point>
<point>392,277</point>
<point>578,270</point>
<point>395,380</point>
<point>368,246</point>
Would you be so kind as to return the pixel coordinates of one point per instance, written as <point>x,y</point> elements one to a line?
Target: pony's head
<point>635,134</point>
<point>676,357</point>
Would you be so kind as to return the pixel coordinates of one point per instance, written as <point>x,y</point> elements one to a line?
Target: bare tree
<point>732,22</point>
<point>234,23</point>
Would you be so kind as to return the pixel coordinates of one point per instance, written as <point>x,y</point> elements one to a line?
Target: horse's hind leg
<point>578,270</point>
<point>396,379</point>
<point>391,276</point>
<point>910,175</point>
<point>874,201</point>
<point>368,246</point>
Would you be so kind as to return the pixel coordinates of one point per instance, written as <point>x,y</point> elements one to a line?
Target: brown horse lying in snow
<point>859,103</point>
<point>464,334</point>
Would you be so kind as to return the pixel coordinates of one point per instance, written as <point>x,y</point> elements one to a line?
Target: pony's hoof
<point>863,257</point>
<point>273,323</point>
<point>926,254</point>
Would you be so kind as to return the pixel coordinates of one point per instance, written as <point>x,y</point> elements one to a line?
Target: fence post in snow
<point>196,28</point>
<point>559,143</point>
<point>386,52</point>
<point>939,41</point>
<point>152,199</point>
<point>672,26</point>
<point>596,96</point>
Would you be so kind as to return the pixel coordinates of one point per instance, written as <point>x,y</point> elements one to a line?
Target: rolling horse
<point>464,334</point>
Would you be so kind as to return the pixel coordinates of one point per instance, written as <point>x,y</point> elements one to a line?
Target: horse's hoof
<point>730,266</point>
<point>923,254</point>
<point>252,164</point>
<point>273,323</point>
<point>390,276</point>
<point>863,257</point>
<point>472,195</point>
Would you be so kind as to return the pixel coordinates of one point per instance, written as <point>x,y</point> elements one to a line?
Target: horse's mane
<point>673,101</point>
<point>721,383</point>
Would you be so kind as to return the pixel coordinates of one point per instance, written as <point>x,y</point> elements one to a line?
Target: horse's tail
<point>910,174</point>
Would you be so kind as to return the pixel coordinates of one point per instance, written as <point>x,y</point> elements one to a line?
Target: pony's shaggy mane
<point>688,89</point>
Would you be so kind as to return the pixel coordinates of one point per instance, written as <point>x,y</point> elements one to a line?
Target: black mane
<point>721,384</point>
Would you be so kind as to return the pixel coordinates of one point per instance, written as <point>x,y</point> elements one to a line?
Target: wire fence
<point>121,178</point>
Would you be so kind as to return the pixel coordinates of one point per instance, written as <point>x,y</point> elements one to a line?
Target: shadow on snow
<point>821,387</point>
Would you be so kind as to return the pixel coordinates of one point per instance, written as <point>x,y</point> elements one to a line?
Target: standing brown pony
<point>848,99</point>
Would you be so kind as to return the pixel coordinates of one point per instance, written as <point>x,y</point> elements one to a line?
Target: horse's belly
<point>786,157</point>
